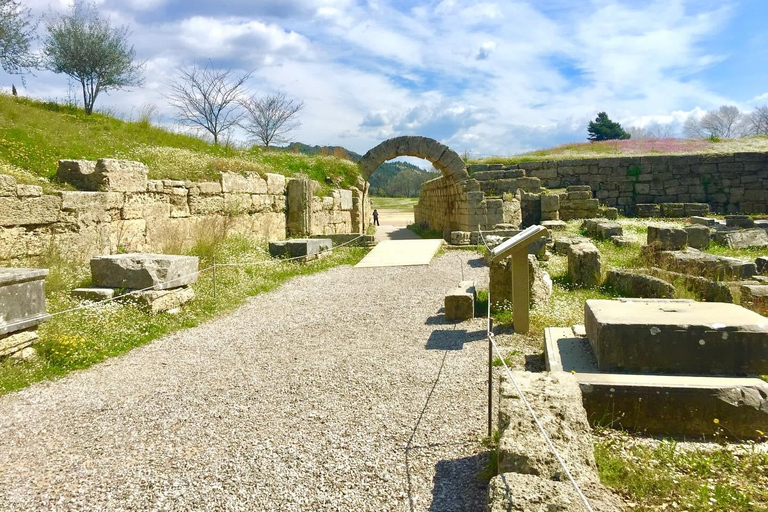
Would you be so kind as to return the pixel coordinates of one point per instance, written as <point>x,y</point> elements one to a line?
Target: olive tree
<point>270,118</point>
<point>16,35</point>
<point>86,47</point>
<point>207,97</point>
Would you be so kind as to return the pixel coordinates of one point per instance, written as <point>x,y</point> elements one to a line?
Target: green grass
<point>80,339</point>
<point>34,135</point>
<point>401,204</point>
<point>660,475</point>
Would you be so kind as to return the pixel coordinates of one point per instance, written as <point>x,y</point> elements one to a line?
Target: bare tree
<point>270,118</point>
<point>757,121</point>
<point>86,47</point>
<point>208,97</point>
<point>16,35</point>
<point>725,122</point>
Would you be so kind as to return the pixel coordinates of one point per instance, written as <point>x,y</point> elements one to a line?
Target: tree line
<point>85,46</point>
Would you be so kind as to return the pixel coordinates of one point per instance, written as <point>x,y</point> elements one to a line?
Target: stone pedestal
<point>22,308</point>
<point>460,302</point>
<point>139,271</point>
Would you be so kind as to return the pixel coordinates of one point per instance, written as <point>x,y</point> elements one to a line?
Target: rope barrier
<point>550,444</point>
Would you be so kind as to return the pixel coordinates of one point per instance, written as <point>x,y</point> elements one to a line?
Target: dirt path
<point>339,391</point>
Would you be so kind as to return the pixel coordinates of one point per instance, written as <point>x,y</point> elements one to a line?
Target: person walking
<point>375,217</point>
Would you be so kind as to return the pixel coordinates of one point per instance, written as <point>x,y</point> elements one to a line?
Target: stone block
<point>250,183</point>
<point>621,241</point>
<point>696,209</point>
<point>672,210</point>
<point>648,210</point>
<point>94,293</point>
<point>630,284</point>
<point>761,264</point>
<point>29,190</point>
<point>755,298</point>
<point>120,175</point>
<point>676,336</point>
<point>667,239</point>
<point>703,221</point>
<point>584,265</point>
<point>147,206</point>
<point>460,237</point>
<point>138,271</point>
<point>7,185</point>
<point>574,196</point>
<point>79,173</point>
<point>698,236</point>
<point>554,225</point>
<point>550,203</point>
<point>161,301</point>
<point>694,262</point>
<point>276,185</point>
<point>22,299</point>
<point>610,213</point>
<point>460,302</point>
<point>739,221</point>
<point>742,238</point>
<point>302,248</point>
<point>579,188</point>
<point>345,199</point>
<point>16,211</point>
<point>16,342</point>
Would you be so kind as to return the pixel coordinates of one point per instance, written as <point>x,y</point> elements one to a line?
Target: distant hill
<point>391,179</point>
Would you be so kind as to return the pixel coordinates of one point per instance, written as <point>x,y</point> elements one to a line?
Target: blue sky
<point>488,77</point>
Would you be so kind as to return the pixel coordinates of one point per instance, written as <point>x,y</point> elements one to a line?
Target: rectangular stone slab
<point>138,271</point>
<point>460,302</point>
<point>659,404</point>
<point>22,298</point>
<point>299,247</point>
<point>676,337</point>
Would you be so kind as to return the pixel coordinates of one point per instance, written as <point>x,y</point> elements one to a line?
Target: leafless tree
<point>757,121</point>
<point>725,122</point>
<point>270,118</point>
<point>208,97</point>
<point>652,131</point>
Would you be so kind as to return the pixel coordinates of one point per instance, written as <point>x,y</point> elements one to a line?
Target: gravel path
<point>339,391</point>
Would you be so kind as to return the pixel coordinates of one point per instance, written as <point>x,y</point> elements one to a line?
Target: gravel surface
<point>339,391</point>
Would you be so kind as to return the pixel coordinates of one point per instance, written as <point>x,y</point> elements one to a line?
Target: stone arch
<point>447,161</point>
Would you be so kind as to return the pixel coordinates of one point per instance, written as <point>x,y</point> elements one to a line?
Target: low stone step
<point>460,301</point>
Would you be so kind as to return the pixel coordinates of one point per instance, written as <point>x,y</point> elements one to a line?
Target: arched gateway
<point>441,156</point>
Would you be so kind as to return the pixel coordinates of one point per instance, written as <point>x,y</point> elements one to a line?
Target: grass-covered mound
<point>34,135</point>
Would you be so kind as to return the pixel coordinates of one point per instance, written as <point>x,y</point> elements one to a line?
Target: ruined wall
<point>728,183</point>
<point>131,213</point>
<point>456,205</point>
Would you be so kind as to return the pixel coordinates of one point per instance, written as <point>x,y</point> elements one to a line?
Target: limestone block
<point>179,205</point>
<point>94,293</point>
<point>515,492</point>
<point>30,210</point>
<point>698,236</point>
<point>460,237</point>
<point>761,265</point>
<point>703,221</point>
<point>237,204</point>
<point>250,183</point>
<point>755,298</point>
<point>209,187</point>
<point>610,213</point>
<point>22,299</point>
<point>550,203</point>
<point>127,235</point>
<point>16,342</point>
<point>79,173</point>
<point>305,248</point>
<point>121,175</point>
<point>501,282</point>
<point>275,184</point>
<point>146,206</point>
<point>29,191</point>
<point>554,225</point>
<point>667,239</point>
<point>692,261</point>
<point>676,337</point>
<point>696,209</point>
<point>621,241</point>
<point>346,199</point>
<point>7,185</point>
<point>90,201</point>
<point>648,210</point>
<point>672,210</point>
<point>739,221</point>
<point>160,301</point>
<point>579,188</point>
<point>630,284</point>
<point>585,265</point>
<point>137,271</point>
<point>327,204</point>
<point>573,196</point>
<point>460,302</point>
<point>743,238</point>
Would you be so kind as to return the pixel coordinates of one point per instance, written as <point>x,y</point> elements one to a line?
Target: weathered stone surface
<point>698,236</point>
<point>22,299</point>
<point>460,237</point>
<point>276,185</point>
<point>79,173</point>
<point>706,289</point>
<point>739,221</point>
<point>515,492</point>
<point>147,206</point>
<point>501,282</point>
<point>554,225</point>
<point>761,264</point>
<point>703,221</point>
<point>7,185</point>
<point>621,241</point>
<point>696,209</point>
<point>667,239</point>
<point>139,271</point>
<point>93,293</point>
<point>90,202</point>
<point>346,199</point>
<point>550,203</point>
<point>610,213</point>
<point>305,248</point>
<point>443,158</point>
<point>648,210</point>
<point>121,175</point>
<point>17,341</point>
<point>584,264</point>
<point>676,336</point>
<point>672,210</point>
<point>601,229</point>
<point>29,190</point>
<point>755,298</point>
<point>694,262</point>
<point>460,302</point>
<point>250,183</point>
<point>563,245</point>
<point>630,284</point>
<point>742,238</point>
<point>27,211</point>
<point>160,301</point>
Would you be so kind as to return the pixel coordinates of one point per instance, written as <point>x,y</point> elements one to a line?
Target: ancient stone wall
<point>728,183</point>
<point>447,204</point>
<point>127,212</point>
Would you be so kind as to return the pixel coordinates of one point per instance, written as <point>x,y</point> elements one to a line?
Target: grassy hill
<point>34,135</point>
<point>635,147</point>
